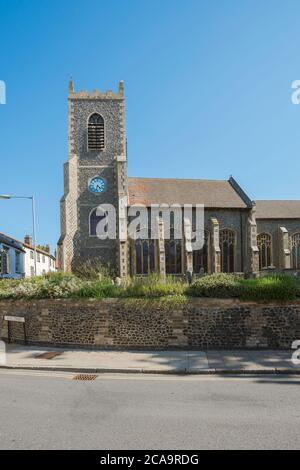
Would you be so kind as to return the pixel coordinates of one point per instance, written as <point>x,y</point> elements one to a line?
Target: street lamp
<point>9,196</point>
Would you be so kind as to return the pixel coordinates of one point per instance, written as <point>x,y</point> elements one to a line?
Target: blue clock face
<point>97,185</point>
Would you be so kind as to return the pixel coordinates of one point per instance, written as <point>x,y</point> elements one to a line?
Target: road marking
<point>148,377</point>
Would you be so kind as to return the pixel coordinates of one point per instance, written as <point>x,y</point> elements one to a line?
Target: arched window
<point>144,253</point>
<point>295,250</point>
<point>173,254</point>
<point>227,246</point>
<point>264,243</point>
<point>96,141</point>
<point>200,257</point>
<point>96,215</point>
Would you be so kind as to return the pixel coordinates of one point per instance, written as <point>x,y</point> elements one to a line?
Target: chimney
<point>28,240</point>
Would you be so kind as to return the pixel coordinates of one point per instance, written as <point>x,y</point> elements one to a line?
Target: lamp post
<point>9,196</point>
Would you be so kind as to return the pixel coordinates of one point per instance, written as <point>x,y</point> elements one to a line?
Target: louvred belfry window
<point>96,138</point>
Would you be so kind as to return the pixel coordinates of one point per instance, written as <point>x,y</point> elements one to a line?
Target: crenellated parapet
<point>96,94</point>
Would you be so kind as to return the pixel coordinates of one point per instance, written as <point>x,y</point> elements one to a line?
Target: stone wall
<point>76,244</point>
<point>117,324</point>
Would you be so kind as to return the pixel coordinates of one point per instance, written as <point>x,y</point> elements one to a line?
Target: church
<point>239,235</point>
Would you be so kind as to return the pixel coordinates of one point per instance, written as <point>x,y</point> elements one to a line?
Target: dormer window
<point>96,140</point>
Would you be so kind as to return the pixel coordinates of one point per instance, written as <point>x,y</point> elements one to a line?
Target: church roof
<point>278,209</point>
<point>212,193</point>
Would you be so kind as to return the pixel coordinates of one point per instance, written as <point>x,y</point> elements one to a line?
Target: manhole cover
<point>48,355</point>
<point>85,377</point>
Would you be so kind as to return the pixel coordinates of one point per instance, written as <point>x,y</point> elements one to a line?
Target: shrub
<point>58,285</point>
<point>152,286</point>
<point>97,290</point>
<point>169,290</point>
<point>216,285</point>
<point>270,288</point>
<point>92,269</point>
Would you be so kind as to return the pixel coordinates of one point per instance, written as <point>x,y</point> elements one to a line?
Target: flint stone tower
<point>95,174</point>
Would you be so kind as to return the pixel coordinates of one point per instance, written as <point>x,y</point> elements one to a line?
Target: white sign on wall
<point>17,319</point>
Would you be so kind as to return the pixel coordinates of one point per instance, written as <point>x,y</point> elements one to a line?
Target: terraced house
<point>17,258</point>
<point>240,235</point>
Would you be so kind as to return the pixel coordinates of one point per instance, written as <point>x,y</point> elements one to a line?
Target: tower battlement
<point>96,94</point>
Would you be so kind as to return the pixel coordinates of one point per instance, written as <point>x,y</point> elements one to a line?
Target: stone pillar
<point>188,250</point>
<point>215,246</point>
<point>161,257</point>
<point>252,251</point>
<point>122,216</point>
<point>284,249</point>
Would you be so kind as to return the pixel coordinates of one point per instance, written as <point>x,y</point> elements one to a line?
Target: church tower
<point>95,174</point>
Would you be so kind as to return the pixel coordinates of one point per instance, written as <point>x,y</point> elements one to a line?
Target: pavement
<point>158,362</point>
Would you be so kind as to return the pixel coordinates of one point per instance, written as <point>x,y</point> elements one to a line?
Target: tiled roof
<point>211,193</point>
<point>10,241</point>
<point>38,250</point>
<point>14,240</point>
<point>278,209</point>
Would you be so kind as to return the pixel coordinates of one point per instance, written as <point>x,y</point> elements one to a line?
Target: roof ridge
<point>177,179</point>
<point>27,245</point>
<point>277,200</point>
<point>12,238</point>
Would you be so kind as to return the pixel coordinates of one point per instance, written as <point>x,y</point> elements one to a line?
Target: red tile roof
<point>211,193</point>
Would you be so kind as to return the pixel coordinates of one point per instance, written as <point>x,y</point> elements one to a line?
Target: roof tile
<point>211,193</point>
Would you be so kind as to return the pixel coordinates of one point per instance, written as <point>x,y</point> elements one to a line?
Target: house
<point>12,258</point>
<point>45,262</point>
<point>17,258</point>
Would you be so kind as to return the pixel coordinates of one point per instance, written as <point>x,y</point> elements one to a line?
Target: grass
<point>142,291</point>
<point>271,288</point>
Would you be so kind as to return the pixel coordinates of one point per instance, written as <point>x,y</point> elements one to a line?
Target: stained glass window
<point>264,243</point>
<point>295,251</point>
<point>227,246</point>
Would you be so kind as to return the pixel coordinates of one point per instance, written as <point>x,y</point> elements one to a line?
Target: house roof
<point>8,240</point>
<point>278,209</point>
<point>43,252</point>
<point>211,193</point>
<point>12,242</point>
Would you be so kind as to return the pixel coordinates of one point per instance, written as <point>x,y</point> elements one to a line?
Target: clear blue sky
<point>207,83</point>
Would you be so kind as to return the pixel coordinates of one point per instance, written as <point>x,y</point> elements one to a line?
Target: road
<point>53,411</point>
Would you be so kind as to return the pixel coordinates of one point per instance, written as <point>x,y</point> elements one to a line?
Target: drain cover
<point>48,355</point>
<point>85,377</point>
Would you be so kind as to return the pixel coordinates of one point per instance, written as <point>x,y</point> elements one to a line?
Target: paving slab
<point>274,359</point>
<point>112,360</point>
<point>237,361</point>
<point>197,361</point>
